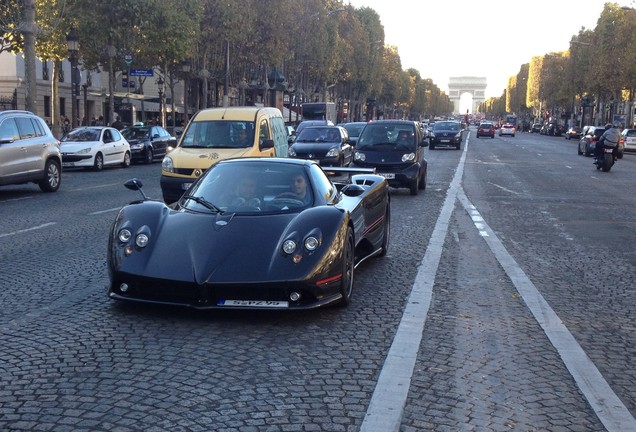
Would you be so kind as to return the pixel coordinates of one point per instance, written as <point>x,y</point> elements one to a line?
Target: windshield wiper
<point>203,202</point>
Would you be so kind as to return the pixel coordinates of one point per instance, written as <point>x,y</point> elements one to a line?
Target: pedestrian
<point>117,124</point>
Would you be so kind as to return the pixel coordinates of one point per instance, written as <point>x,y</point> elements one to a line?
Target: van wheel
<point>52,177</point>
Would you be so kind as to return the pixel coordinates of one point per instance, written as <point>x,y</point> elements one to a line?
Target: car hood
<point>303,147</point>
<point>445,132</point>
<point>223,247</point>
<point>204,157</point>
<point>75,146</point>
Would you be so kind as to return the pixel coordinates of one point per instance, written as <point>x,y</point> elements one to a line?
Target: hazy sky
<point>486,38</point>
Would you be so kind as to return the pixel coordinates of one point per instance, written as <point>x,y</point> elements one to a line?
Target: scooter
<point>607,159</point>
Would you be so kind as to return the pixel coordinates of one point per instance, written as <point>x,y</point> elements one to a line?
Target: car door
<point>120,146</point>
<point>31,145</point>
<point>159,138</point>
<point>13,152</point>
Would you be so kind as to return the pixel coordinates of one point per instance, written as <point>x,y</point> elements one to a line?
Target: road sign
<point>128,59</point>
<point>141,72</point>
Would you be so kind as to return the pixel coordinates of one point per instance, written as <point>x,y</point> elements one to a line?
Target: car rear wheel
<point>126,162</point>
<point>348,256</point>
<point>52,177</point>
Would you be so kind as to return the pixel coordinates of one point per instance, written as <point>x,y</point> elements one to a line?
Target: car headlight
<point>291,152</point>
<point>124,235</point>
<point>311,243</point>
<point>84,151</point>
<point>408,157</point>
<point>333,152</point>
<point>167,165</point>
<point>141,240</point>
<point>136,146</point>
<point>359,157</point>
<point>289,246</point>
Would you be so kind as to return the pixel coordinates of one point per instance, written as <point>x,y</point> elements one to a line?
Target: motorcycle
<point>607,159</point>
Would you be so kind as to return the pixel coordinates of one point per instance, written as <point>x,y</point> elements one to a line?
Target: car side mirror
<point>352,190</point>
<point>267,144</point>
<point>155,136</point>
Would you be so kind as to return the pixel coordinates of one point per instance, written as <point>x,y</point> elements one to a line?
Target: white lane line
<point>95,187</point>
<point>27,229</point>
<point>16,199</point>
<point>504,189</point>
<point>391,391</point>
<point>607,406</point>
<point>104,211</point>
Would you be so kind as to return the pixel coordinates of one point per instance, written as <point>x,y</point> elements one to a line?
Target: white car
<point>507,129</point>
<point>628,137</point>
<point>94,147</point>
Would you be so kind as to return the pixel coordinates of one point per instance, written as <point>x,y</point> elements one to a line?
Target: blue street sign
<point>141,72</point>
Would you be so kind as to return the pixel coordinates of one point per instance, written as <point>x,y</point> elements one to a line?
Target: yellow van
<point>215,134</point>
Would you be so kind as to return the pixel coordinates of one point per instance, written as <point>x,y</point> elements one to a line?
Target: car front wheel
<point>348,263</point>
<point>148,156</point>
<point>98,165</point>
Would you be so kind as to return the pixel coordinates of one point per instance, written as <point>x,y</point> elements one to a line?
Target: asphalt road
<point>489,313</point>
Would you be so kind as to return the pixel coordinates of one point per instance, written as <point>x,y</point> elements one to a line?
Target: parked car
<point>486,129</point>
<point>446,133</point>
<point>95,147</point>
<point>206,253</point>
<point>402,164</point>
<point>536,128</point>
<point>628,138</point>
<point>587,143</point>
<point>354,129</point>
<point>29,153</point>
<point>328,145</point>
<point>573,133</point>
<point>507,129</point>
<point>148,143</point>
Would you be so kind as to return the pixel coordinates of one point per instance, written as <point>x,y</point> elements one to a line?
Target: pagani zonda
<point>216,249</point>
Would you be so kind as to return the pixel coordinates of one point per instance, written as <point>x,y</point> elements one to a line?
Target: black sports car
<point>251,233</point>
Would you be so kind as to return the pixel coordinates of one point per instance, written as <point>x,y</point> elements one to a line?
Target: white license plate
<point>254,303</point>
<point>68,164</point>
<point>444,141</point>
<point>186,186</point>
<point>387,175</point>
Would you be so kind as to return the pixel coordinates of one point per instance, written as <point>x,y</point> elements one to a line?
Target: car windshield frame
<point>83,135</point>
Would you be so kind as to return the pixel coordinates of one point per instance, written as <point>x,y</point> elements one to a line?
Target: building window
<point>62,106</point>
<point>45,71</point>
<point>47,106</point>
<point>61,74</point>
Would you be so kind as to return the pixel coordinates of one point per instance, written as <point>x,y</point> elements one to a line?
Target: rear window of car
<point>598,132</point>
<point>485,125</point>
<point>631,133</point>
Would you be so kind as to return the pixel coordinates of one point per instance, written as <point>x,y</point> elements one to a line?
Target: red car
<point>486,129</point>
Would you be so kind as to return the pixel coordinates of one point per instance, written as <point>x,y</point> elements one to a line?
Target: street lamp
<point>160,84</point>
<point>186,66</point>
<point>72,40</point>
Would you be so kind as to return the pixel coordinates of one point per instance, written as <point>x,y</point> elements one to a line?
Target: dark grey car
<point>148,143</point>
<point>329,145</point>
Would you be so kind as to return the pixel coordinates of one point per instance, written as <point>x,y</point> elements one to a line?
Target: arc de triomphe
<point>473,85</point>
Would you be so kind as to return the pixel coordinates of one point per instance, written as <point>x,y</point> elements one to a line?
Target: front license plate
<point>186,186</point>
<point>68,164</point>
<point>389,176</point>
<point>254,303</point>
<point>444,141</point>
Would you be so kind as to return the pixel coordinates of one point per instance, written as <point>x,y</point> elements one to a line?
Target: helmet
<point>608,126</point>
<point>618,124</point>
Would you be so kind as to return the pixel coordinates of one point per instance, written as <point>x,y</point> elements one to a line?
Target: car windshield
<point>82,135</point>
<point>384,137</point>
<point>219,134</point>
<point>449,126</point>
<point>319,134</point>
<point>251,187</point>
<point>353,129</point>
<point>135,133</point>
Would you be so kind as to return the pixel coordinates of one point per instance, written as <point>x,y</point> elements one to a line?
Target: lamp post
<point>72,40</point>
<point>186,66</point>
<point>160,83</point>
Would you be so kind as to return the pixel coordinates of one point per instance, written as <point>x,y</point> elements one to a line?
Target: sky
<point>486,38</point>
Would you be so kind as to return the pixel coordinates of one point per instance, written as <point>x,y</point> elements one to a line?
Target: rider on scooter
<point>609,139</point>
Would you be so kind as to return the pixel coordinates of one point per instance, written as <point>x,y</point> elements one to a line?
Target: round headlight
<point>359,156</point>
<point>289,246</point>
<point>408,157</point>
<point>167,165</point>
<point>311,243</point>
<point>124,235</point>
<point>141,240</point>
<point>333,152</point>
<point>291,152</point>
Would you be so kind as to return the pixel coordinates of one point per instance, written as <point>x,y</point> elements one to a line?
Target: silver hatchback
<point>28,151</point>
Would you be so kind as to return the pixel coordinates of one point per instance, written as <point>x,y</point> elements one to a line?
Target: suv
<point>28,151</point>
<point>395,148</point>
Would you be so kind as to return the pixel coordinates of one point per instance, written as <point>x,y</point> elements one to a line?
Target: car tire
<point>52,177</point>
<point>415,185</point>
<point>348,264</point>
<point>431,146</point>
<point>619,155</point>
<point>387,232</point>
<point>98,165</point>
<point>578,150</point>
<point>423,179</point>
<point>148,156</point>
<point>127,161</point>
